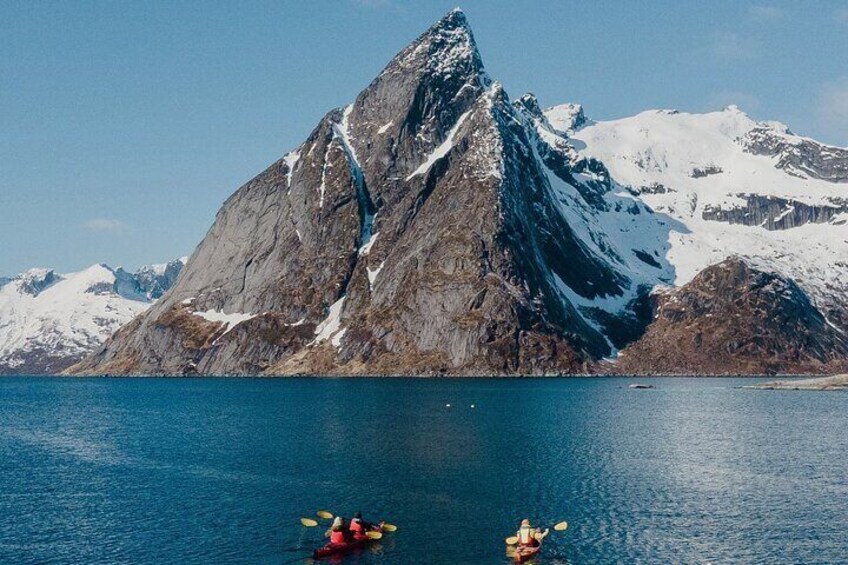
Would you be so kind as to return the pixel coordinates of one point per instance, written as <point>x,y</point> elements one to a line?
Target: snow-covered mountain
<point>49,321</point>
<point>433,226</point>
<point>727,185</point>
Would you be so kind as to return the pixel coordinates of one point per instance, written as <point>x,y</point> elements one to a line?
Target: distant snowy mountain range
<point>435,226</point>
<point>49,321</point>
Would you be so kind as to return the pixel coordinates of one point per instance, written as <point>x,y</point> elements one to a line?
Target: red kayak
<point>357,542</point>
<point>523,554</point>
<point>339,548</point>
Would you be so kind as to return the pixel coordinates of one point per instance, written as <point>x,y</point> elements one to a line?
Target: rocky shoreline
<point>836,382</point>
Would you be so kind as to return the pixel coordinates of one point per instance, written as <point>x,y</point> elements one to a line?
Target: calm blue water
<point>214,471</point>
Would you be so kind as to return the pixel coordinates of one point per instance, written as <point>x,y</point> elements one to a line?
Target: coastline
<point>833,382</point>
<point>773,384</point>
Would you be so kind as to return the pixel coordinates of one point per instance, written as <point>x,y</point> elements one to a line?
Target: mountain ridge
<point>434,226</point>
<point>48,321</point>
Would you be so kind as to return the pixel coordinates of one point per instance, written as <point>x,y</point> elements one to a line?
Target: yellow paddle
<point>308,522</point>
<point>373,535</point>
<point>560,527</point>
<point>389,528</point>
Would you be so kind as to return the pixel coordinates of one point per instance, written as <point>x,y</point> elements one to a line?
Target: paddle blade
<point>389,528</point>
<point>309,523</point>
<point>561,527</point>
<point>512,540</point>
<point>325,515</point>
<point>374,535</point>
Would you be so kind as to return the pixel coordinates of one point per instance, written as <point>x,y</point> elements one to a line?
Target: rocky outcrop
<point>798,156</point>
<point>733,318</point>
<point>774,213</point>
<point>150,282</point>
<point>34,281</point>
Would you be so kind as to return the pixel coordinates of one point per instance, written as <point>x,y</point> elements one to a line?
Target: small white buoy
<point>472,406</point>
<point>447,405</point>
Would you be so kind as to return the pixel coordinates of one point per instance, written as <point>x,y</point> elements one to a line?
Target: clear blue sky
<point>125,125</point>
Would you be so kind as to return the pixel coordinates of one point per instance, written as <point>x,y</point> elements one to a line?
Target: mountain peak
<point>566,118</point>
<point>34,281</point>
<point>455,18</point>
<point>447,48</point>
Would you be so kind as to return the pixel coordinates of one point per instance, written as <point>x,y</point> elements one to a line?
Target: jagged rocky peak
<point>149,282</point>
<point>796,155</point>
<point>530,104</point>
<point>566,118</point>
<point>34,281</point>
<point>411,107</point>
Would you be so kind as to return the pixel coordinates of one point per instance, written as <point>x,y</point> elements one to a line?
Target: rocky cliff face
<point>774,213</point>
<point>435,227</point>
<point>732,318</point>
<point>798,156</point>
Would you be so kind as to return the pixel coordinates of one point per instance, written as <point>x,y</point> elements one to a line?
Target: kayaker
<point>528,536</point>
<point>337,533</point>
<point>358,526</point>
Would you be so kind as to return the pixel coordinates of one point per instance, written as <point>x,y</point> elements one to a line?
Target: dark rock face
<point>698,173</point>
<point>39,361</point>
<point>732,318</point>
<point>148,283</point>
<point>803,158</point>
<point>35,282</point>
<point>773,213</point>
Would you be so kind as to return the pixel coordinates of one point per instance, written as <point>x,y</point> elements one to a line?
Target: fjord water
<point>220,470</point>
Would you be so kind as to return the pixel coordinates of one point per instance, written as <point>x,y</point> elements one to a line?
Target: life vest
<point>338,537</point>
<point>526,537</point>
<point>357,527</point>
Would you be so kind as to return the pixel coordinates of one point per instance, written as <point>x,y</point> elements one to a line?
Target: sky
<point>125,125</point>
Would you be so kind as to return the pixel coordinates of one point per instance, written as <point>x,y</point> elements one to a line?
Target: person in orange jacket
<point>338,533</point>
<point>359,528</point>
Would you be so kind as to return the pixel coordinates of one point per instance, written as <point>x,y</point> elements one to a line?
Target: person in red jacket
<point>338,533</point>
<point>359,527</point>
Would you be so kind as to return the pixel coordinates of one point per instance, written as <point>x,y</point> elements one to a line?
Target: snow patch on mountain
<point>229,321</point>
<point>332,323</point>
<point>440,151</point>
